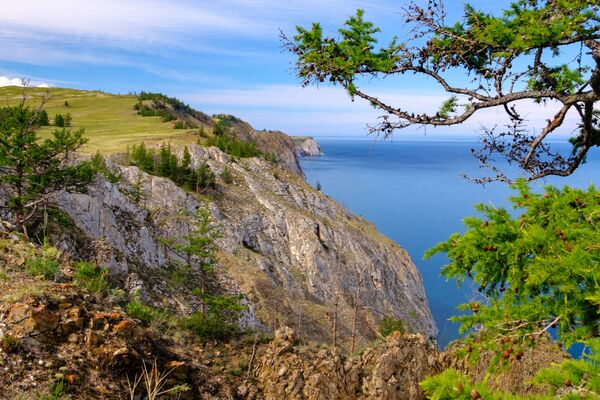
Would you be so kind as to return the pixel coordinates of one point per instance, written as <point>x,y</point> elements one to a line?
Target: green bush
<point>144,313</point>
<point>233,146</point>
<point>10,344</point>
<point>219,322</point>
<point>99,166</point>
<point>390,325</point>
<point>91,277</point>
<point>227,176</point>
<point>209,326</point>
<point>46,265</point>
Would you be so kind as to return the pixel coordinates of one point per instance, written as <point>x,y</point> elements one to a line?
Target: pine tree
<point>199,245</point>
<point>35,171</point>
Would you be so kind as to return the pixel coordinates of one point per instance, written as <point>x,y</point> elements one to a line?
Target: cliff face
<point>269,142</point>
<point>307,146</point>
<point>292,252</point>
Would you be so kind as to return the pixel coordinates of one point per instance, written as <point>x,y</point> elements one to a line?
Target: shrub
<point>91,277</point>
<point>47,265</point>
<point>390,325</point>
<point>144,313</point>
<point>179,124</point>
<point>219,322</point>
<point>10,344</point>
<point>158,320</point>
<point>209,326</point>
<point>99,166</point>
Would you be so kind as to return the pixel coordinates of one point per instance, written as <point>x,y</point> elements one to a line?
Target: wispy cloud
<point>77,30</point>
<point>296,109</point>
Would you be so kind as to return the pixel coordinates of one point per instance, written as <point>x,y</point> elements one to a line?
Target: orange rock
<point>174,364</point>
<point>32,320</point>
<point>101,389</point>
<point>71,378</point>
<point>124,327</point>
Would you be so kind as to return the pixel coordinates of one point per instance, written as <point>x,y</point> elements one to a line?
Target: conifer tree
<point>35,171</point>
<point>506,58</point>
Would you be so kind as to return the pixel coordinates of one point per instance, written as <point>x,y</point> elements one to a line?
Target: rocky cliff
<point>297,257</point>
<point>307,146</point>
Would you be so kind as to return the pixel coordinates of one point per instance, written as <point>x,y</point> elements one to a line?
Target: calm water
<point>414,192</point>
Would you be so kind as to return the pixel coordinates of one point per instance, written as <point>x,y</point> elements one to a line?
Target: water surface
<point>414,192</point>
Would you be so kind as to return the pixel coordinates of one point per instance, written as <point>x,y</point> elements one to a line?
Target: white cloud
<point>6,81</point>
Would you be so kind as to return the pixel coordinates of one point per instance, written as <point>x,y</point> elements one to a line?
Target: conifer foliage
<point>165,163</point>
<point>505,58</point>
<point>538,273</point>
<point>539,270</point>
<point>33,171</point>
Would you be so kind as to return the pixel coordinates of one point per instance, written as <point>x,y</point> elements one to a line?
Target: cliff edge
<point>307,146</point>
<point>294,254</point>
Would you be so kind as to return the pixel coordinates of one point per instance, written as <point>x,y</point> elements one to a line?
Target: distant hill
<point>110,121</point>
<point>116,122</point>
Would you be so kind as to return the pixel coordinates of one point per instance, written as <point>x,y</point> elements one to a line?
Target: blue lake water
<point>414,192</point>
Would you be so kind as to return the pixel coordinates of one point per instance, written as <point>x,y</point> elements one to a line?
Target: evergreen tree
<point>42,119</point>
<point>35,171</point>
<point>539,270</point>
<point>539,273</point>
<point>199,245</point>
<point>59,121</point>
<point>507,57</point>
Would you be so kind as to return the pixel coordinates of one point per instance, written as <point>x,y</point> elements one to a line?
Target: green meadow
<point>110,122</point>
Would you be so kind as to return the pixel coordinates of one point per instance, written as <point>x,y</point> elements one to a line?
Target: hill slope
<point>110,121</point>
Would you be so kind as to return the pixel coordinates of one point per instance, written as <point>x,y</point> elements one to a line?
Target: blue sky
<point>219,56</point>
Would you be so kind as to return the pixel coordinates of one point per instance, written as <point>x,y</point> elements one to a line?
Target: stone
<point>242,390</point>
<point>174,364</point>
<point>30,320</point>
<point>93,339</point>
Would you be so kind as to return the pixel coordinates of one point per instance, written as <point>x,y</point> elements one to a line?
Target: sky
<point>218,56</point>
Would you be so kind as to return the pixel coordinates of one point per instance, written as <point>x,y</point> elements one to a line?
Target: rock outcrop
<point>297,257</point>
<point>307,146</point>
<point>273,143</point>
<point>390,370</point>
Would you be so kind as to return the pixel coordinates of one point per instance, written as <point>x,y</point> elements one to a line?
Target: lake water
<point>414,192</point>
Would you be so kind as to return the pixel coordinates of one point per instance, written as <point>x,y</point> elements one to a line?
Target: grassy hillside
<point>110,122</point>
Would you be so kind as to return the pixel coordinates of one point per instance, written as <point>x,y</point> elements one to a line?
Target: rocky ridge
<point>291,251</point>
